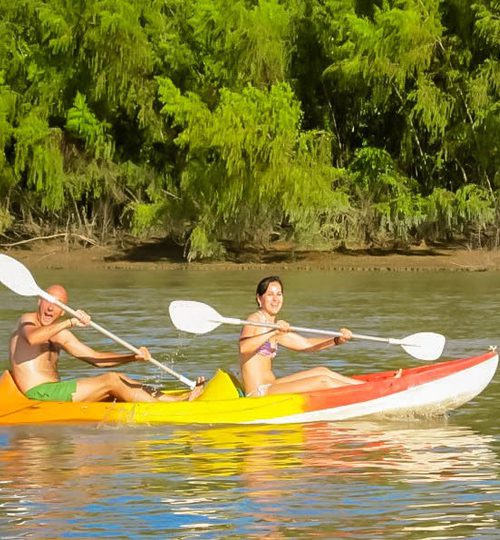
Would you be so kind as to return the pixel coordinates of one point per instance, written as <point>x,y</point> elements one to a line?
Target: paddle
<point>15,276</point>
<point>200,318</point>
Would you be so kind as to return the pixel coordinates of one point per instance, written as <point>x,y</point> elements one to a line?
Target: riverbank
<point>159,255</point>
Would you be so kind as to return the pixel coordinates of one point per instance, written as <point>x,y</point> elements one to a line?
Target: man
<point>34,350</point>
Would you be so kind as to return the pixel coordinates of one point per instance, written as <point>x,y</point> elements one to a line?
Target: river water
<point>413,479</point>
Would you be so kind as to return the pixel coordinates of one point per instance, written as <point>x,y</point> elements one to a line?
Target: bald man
<point>35,345</point>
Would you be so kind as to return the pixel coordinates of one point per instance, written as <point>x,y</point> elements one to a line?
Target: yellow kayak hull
<point>228,408</point>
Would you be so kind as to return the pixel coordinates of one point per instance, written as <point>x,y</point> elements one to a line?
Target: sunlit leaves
<point>468,211</point>
<point>488,23</point>
<point>83,123</point>
<point>248,162</point>
<point>38,155</point>
<point>432,108</point>
<point>397,45</point>
<point>388,203</point>
<point>226,123</point>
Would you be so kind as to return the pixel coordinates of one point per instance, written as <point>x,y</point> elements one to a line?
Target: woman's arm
<point>253,337</point>
<point>251,341</point>
<point>296,342</point>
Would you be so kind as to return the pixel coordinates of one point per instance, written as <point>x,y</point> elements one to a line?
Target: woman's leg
<point>319,372</point>
<point>307,384</point>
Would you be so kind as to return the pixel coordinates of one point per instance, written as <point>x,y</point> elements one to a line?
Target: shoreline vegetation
<point>158,254</point>
<point>228,125</point>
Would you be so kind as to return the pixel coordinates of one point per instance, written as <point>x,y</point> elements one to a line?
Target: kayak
<point>422,391</point>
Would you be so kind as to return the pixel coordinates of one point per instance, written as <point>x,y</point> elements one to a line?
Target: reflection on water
<point>360,479</point>
<point>412,480</point>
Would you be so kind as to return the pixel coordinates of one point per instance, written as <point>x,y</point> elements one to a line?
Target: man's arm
<point>72,345</point>
<point>36,335</point>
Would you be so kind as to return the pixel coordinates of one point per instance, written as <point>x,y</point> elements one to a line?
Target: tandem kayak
<point>429,390</point>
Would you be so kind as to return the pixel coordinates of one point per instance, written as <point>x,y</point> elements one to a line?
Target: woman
<point>259,345</point>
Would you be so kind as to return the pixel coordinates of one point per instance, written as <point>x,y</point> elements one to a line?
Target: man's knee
<point>111,379</point>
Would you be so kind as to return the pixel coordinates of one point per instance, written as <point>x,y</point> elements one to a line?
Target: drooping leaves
<point>226,123</point>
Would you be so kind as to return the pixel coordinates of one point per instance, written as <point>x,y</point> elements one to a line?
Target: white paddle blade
<point>17,277</point>
<point>424,345</point>
<point>194,317</point>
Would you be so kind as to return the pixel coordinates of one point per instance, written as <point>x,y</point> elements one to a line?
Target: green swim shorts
<point>53,391</point>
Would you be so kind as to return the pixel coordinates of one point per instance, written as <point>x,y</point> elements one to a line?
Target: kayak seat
<point>237,383</point>
<point>223,385</point>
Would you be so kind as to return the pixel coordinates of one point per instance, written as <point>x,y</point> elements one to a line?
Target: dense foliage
<point>229,123</point>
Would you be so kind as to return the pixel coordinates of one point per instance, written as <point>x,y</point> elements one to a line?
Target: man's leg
<point>111,385</point>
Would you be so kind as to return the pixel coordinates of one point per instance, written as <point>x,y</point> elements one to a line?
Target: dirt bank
<point>158,255</point>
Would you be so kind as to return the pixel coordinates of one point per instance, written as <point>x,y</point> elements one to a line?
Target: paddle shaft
<point>199,318</point>
<point>119,340</point>
<point>230,320</point>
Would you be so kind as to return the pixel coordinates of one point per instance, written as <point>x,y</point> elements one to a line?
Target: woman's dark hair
<point>264,284</point>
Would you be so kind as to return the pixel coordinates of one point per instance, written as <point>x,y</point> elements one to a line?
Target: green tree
<point>224,123</point>
<point>248,168</point>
